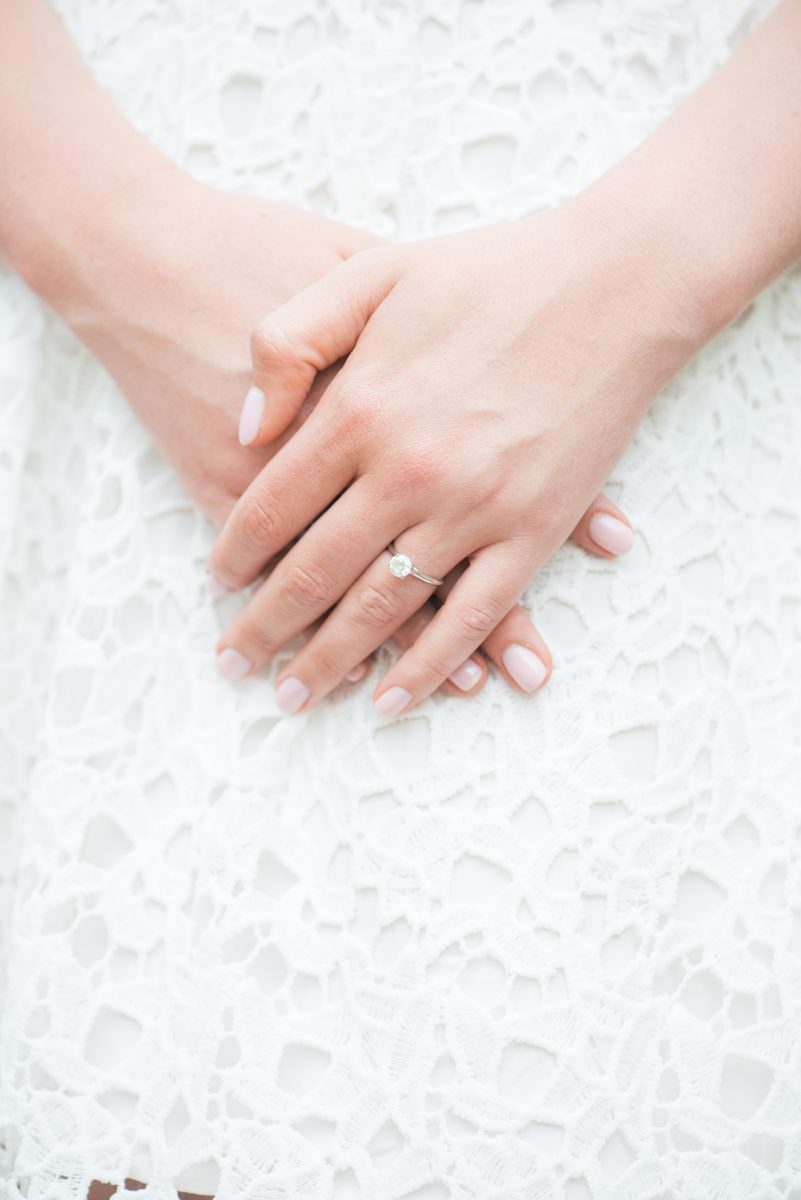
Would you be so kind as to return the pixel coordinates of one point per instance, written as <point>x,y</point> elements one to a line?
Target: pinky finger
<point>515,646</point>
<point>471,675</point>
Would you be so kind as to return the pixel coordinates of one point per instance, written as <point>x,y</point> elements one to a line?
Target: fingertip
<point>612,534</point>
<point>525,666</point>
<point>469,678</point>
<point>232,664</point>
<point>260,421</point>
<point>215,586</point>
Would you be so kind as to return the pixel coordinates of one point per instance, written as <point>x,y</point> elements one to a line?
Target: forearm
<point>69,158</point>
<point>712,200</point>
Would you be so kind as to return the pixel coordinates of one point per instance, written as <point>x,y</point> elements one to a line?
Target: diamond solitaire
<point>400,565</point>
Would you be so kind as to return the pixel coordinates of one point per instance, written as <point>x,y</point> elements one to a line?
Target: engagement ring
<point>401,565</point>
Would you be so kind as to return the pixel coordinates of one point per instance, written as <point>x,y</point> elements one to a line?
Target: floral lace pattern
<point>504,949</point>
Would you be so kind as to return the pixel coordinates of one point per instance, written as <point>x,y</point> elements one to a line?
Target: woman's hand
<point>500,373</point>
<point>176,279</point>
<point>167,303</point>
<point>159,275</point>
<point>496,377</point>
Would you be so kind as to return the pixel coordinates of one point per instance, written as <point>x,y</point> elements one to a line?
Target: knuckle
<point>326,663</point>
<point>478,619</point>
<point>377,607</point>
<point>413,627</point>
<point>308,586</point>
<point>268,342</point>
<point>417,469</point>
<point>257,639</point>
<point>260,524</point>
<point>429,668</point>
<point>226,566</point>
<point>358,410</point>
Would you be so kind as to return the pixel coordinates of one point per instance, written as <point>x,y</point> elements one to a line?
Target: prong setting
<point>400,565</point>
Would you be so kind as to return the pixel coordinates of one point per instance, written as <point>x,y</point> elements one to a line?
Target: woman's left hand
<point>494,378</point>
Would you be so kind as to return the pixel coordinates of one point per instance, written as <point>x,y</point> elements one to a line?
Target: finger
<point>480,599</point>
<point>371,611</point>
<point>312,577</point>
<point>517,649</point>
<point>290,491</point>
<point>469,677</point>
<point>231,668</point>
<point>358,672</point>
<point>510,646</point>
<point>604,529</point>
<point>310,332</point>
<point>465,680</point>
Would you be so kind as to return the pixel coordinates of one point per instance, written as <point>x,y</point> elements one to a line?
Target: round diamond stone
<point>400,565</point>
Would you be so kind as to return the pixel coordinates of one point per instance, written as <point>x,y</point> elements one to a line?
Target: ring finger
<point>376,605</point>
<point>515,646</point>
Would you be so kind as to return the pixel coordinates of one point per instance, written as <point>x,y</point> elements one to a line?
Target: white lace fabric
<point>501,949</point>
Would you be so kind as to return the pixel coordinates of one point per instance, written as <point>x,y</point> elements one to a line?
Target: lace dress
<point>501,949</point>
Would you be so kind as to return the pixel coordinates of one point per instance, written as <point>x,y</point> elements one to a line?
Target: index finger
<point>289,492</point>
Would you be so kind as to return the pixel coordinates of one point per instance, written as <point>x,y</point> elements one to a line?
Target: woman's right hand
<point>177,277</point>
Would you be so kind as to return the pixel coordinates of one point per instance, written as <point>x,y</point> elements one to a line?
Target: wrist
<point>642,311</point>
<point>83,243</point>
<point>698,279</point>
<point>666,276</point>
<point>80,228</point>
<point>72,162</point>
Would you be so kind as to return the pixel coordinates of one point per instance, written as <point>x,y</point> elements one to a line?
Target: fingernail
<point>467,676</point>
<point>610,533</point>
<point>231,664</point>
<point>216,586</point>
<point>526,668</point>
<point>291,694</point>
<point>391,702</point>
<point>251,415</point>
<point>357,673</point>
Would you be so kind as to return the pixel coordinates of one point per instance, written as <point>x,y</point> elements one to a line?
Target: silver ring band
<point>401,565</point>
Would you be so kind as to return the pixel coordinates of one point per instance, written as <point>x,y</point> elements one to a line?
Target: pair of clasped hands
<point>463,396</point>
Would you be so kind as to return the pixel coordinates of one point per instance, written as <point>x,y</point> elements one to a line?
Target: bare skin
<point>63,226</point>
<point>167,304</point>
<point>94,219</point>
<point>577,317</point>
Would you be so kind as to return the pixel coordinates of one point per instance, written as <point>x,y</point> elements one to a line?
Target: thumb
<point>310,332</point>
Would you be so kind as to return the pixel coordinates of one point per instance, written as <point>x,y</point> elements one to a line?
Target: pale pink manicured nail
<point>216,586</point>
<point>291,694</point>
<point>357,673</point>
<point>231,664</point>
<point>610,533</point>
<point>467,676</point>
<point>526,668</point>
<point>251,415</point>
<point>392,702</point>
